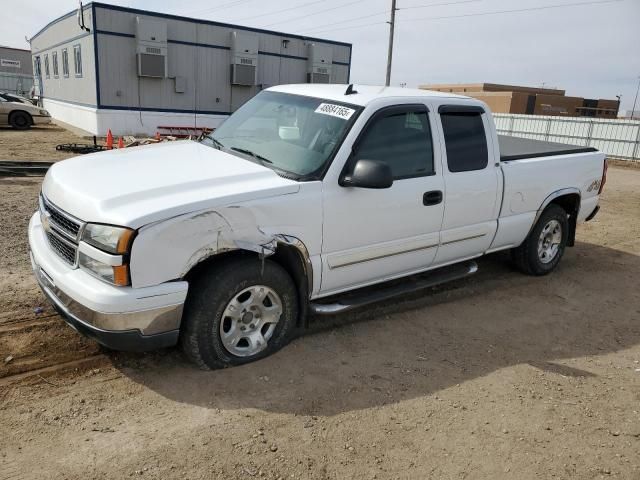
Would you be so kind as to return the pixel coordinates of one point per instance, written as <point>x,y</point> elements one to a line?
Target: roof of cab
<point>364,95</point>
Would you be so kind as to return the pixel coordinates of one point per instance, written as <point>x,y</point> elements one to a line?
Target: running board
<point>377,293</point>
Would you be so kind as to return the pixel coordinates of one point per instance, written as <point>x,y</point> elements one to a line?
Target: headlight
<point>111,239</point>
<point>117,275</point>
<point>44,113</point>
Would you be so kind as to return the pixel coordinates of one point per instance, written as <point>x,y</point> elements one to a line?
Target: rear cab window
<point>465,138</point>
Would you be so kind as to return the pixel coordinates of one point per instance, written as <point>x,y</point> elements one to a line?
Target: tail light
<point>604,175</point>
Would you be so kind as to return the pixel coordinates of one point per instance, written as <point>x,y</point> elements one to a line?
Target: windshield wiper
<point>252,154</point>
<point>217,143</point>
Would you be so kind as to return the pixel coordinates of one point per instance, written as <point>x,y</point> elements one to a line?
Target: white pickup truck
<point>308,199</point>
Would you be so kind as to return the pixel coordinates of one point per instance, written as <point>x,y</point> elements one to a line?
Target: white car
<point>20,113</point>
<point>301,199</point>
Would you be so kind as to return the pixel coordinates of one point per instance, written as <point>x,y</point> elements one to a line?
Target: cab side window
<point>402,139</point>
<point>465,141</point>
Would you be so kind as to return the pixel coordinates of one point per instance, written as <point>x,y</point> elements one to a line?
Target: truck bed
<point>516,148</point>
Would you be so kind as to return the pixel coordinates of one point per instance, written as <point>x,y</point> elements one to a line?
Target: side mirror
<point>368,174</point>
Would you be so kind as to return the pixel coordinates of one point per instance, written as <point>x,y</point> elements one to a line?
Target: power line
<point>346,21</point>
<point>474,14</point>
<point>386,12</point>
<point>546,7</point>
<point>350,26</point>
<point>220,7</point>
<point>280,11</point>
<point>315,13</point>
<point>427,5</point>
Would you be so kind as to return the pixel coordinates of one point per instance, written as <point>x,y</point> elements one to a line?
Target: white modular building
<point>110,67</point>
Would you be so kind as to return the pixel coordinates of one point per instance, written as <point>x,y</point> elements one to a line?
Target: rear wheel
<point>542,250</point>
<point>238,312</point>
<point>20,120</point>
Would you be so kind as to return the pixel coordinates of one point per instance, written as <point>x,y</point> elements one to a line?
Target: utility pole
<point>392,24</point>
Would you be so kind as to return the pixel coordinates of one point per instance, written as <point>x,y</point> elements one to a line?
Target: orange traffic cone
<point>158,136</point>
<point>120,143</point>
<point>109,140</point>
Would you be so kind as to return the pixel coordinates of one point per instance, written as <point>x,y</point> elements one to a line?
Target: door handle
<point>432,198</point>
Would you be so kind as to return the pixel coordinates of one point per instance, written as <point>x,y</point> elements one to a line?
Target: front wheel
<point>20,120</point>
<point>543,248</point>
<point>238,312</point>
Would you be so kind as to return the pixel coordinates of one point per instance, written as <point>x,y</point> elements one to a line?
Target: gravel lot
<point>498,376</point>
<point>36,143</point>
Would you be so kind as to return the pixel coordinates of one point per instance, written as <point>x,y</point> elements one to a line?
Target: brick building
<point>532,100</point>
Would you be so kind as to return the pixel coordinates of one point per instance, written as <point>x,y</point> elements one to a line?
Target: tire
<point>532,257</point>
<point>20,120</point>
<point>211,323</point>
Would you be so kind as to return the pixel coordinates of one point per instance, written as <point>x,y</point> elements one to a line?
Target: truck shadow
<point>419,345</point>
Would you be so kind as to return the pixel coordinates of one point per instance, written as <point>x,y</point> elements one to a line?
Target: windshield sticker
<point>335,110</point>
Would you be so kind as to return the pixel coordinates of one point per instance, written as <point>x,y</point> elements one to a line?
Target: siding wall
<point>65,33</point>
<point>13,79</point>
<point>201,53</point>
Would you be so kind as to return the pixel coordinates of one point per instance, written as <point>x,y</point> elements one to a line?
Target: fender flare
<point>550,198</point>
<point>299,245</point>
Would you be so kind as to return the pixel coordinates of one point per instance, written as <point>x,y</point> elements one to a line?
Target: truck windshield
<point>291,133</point>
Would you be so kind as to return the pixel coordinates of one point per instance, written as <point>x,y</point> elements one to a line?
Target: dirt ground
<point>37,143</point>
<point>498,376</point>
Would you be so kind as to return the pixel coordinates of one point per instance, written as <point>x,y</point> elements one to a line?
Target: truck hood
<point>136,186</point>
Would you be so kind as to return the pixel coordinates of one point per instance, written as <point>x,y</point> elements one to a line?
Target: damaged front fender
<point>168,250</point>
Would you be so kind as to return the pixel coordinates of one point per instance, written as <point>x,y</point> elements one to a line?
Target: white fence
<point>617,138</point>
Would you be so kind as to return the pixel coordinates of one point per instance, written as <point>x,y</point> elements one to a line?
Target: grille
<point>243,74</point>
<point>62,230</point>
<point>151,65</point>
<point>66,251</point>
<point>318,78</point>
<point>61,221</point>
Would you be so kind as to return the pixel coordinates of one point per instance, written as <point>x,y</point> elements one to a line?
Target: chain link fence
<point>618,138</point>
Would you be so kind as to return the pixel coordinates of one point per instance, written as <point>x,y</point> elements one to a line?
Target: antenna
<point>350,90</point>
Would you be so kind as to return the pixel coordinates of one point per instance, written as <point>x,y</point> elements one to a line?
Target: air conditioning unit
<point>151,48</point>
<point>320,63</point>
<point>244,59</point>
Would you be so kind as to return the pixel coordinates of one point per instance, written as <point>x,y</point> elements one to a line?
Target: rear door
<point>471,184</point>
<point>373,235</point>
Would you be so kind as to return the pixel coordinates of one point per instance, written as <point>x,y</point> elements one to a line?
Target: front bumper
<point>41,119</point>
<point>121,318</point>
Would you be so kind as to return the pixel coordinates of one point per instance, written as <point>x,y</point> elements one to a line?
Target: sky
<point>590,48</point>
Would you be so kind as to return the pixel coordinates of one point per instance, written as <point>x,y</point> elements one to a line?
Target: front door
<point>372,235</point>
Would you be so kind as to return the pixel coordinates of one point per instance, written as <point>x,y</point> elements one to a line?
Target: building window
<point>36,66</point>
<point>465,141</point>
<point>46,65</point>
<point>54,60</point>
<point>77,60</point>
<point>65,62</point>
